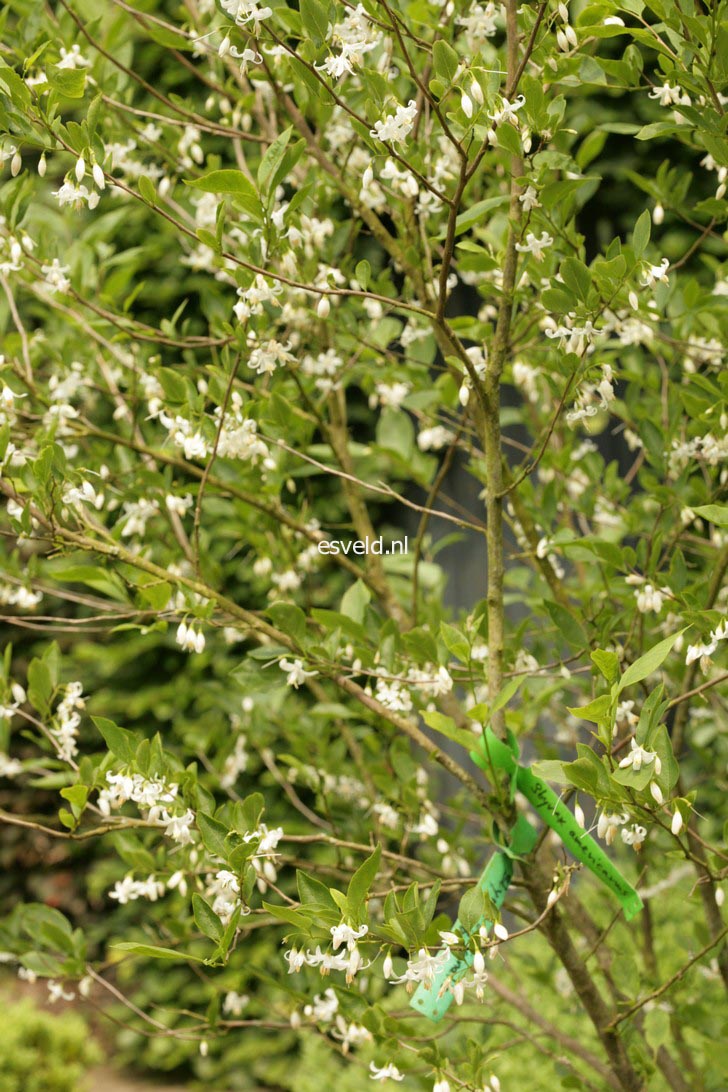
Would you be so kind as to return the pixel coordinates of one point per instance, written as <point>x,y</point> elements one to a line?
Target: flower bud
<point>571,36</point>
<point>634,301</point>
<point>80,168</point>
<point>476,93</point>
<point>224,47</point>
<point>15,164</point>
<point>464,394</point>
<point>478,962</point>
<point>677,822</point>
<point>388,965</point>
<point>467,104</point>
<point>98,176</point>
<point>324,307</point>
<point>719,896</point>
<point>500,931</point>
<point>579,816</point>
<point>656,792</point>
<point>658,214</point>
<point>42,165</point>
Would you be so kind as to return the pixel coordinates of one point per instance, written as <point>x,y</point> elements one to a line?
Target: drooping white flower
<point>386,1072</point>
<point>639,757</point>
<point>297,674</point>
<point>508,111</point>
<point>655,273</point>
<point>666,94</point>
<point>345,934</point>
<point>535,246</point>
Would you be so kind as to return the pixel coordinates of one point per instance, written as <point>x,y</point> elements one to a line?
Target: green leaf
<point>272,159</point>
<point>315,19</point>
<point>148,190</point>
<point>234,183</point>
<point>290,619</point>
<point>363,274</point>
<point>152,952</point>
<point>509,138</point>
<point>40,685</point>
<point>641,234</point>
<point>550,769</point>
<point>206,919</point>
<point>446,726</point>
<point>354,601</point>
<point>445,61</point>
<point>472,909</point>
<point>715,513</point>
<point>361,881</point>
<point>121,742</point>
<point>596,711</point>
<point>577,277</point>
<point>69,82</point>
<point>455,642</point>
<point>213,835</point>
<point>567,624</point>
<point>648,663</point>
<point>608,664</point>
<point>77,795</point>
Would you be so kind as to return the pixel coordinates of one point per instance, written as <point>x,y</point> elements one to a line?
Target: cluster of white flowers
<point>571,338</point>
<point>136,514</point>
<point>353,36</point>
<point>435,438</point>
<point>13,251</point>
<point>708,449</point>
<point>565,35</point>
<point>246,12</point>
<point>609,823</point>
<point>323,367</point>
<point>189,638</point>
<point>703,651</point>
<point>9,767</point>
<point>66,719</point>
<point>593,397</point>
<point>239,437</point>
<point>527,378</point>
<point>393,695</point>
<point>396,127</point>
<point>19,596</point>
<point>649,599</point>
<point>252,299</point>
<point>55,279</point>
<point>265,854</point>
<point>480,22</point>
<point>223,892</point>
<point>391,395</point>
<point>233,1003</point>
<point>710,165</point>
<point>350,961</point>
<point>129,889</point>
<point>265,358</point>
<point>346,787</point>
<point>150,794</point>
<point>430,680</point>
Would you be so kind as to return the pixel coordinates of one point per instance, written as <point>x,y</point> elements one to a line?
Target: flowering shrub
<point>272,276</point>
